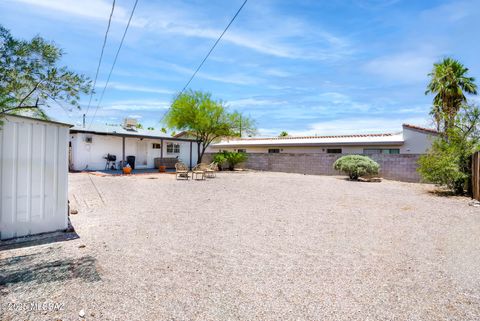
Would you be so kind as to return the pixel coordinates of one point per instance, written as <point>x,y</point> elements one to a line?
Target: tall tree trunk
<point>199,154</point>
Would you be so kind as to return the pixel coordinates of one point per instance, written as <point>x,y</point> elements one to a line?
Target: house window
<point>370,151</point>
<point>273,150</point>
<point>156,146</point>
<point>240,150</point>
<point>173,148</point>
<point>334,150</point>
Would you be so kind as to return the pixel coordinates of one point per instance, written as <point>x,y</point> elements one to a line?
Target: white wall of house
<point>90,156</point>
<point>33,177</point>
<point>415,142</point>
<point>304,149</point>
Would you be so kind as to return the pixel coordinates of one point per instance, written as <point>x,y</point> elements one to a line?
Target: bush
<point>448,162</point>
<point>219,159</point>
<point>356,166</point>
<point>230,158</point>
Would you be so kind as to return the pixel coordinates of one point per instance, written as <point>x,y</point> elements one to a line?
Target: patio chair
<point>181,170</point>
<point>211,169</point>
<point>198,170</point>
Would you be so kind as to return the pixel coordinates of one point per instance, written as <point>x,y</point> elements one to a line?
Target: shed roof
<point>38,119</point>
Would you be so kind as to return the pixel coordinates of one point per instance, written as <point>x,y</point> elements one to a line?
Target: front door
<point>141,159</point>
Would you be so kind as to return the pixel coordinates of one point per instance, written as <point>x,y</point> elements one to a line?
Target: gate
<point>476,176</point>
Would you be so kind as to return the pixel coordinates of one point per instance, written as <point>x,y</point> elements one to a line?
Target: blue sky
<point>307,67</point>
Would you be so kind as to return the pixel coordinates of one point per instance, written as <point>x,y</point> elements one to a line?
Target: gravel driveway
<point>252,246</point>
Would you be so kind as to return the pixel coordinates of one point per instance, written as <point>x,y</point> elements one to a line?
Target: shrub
<point>356,166</point>
<point>448,162</point>
<point>234,158</point>
<point>230,158</point>
<point>219,159</point>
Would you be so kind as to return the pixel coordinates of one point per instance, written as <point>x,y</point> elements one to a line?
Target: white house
<point>90,145</point>
<point>411,140</point>
<point>33,176</point>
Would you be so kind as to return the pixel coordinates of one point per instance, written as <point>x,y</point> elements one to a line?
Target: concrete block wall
<point>401,167</point>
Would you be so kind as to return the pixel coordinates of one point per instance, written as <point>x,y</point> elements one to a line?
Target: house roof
<point>360,139</point>
<point>118,130</point>
<point>422,129</point>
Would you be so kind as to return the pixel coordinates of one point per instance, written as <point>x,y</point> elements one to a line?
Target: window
<point>370,151</point>
<point>240,150</point>
<point>156,146</point>
<point>173,148</point>
<point>273,150</point>
<point>334,150</point>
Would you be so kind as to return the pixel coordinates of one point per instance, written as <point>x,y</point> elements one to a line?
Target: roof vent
<point>130,124</point>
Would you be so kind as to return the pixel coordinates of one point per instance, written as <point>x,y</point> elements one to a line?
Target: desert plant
<point>219,159</point>
<point>229,158</point>
<point>356,166</point>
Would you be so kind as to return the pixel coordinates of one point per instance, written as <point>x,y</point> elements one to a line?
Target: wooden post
<point>161,150</point>
<point>190,155</point>
<point>476,176</point>
<point>123,151</point>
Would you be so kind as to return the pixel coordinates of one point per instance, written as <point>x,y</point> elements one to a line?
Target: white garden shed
<point>33,176</point>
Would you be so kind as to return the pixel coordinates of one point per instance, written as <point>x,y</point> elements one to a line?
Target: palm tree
<point>283,134</point>
<point>449,82</point>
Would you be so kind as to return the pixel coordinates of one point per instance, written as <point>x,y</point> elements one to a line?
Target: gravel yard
<point>247,245</point>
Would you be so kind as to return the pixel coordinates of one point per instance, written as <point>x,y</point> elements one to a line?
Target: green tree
<point>449,82</point>
<point>139,126</point>
<point>205,119</point>
<point>448,162</point>
<point>283,134</point>
<point>30,77</point>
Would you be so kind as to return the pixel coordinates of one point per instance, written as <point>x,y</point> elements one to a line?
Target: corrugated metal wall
<point>33,177</point>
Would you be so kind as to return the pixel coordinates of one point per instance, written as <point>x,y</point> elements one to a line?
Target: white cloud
<point>410,66</point>
<point>361,125</point>
<point>129,87</point>
<point>137,105</point>
<point>247,102</point>
<point>90,9</point>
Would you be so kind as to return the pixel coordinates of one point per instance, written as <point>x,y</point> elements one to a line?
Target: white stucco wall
<point>306,149</point>
<point>416,142</point>
<point>90,156</point>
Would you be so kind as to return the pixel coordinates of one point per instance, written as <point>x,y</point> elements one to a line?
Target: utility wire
<point>213,47</point>
<point>101,56</point>
<point>114,62</point>
<point>208,54</point>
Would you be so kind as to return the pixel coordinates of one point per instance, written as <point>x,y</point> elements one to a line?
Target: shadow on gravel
<point>18,270</point>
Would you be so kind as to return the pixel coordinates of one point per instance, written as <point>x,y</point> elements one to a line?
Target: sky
<point>305,67</point>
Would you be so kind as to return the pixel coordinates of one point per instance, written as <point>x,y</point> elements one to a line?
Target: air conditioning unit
<point>130,123</point>
<point>88,139</point>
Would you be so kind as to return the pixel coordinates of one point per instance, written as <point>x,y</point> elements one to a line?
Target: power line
<point>213,47</point>
<point>114,62</point>
<point>101,56</point>
<point>208,54</point>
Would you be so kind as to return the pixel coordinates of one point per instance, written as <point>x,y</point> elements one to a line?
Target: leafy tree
<point>139,126</point>
<point>356,166</point>
<point>449,82</point>
<point>448,162</point>
<point>30,76</point>
<point>205,119</point>
<point>151,128</point>
<point>283,134</point>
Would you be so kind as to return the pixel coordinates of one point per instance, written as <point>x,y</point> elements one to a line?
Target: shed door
<point>142,147</point>
<point>33,178</point>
